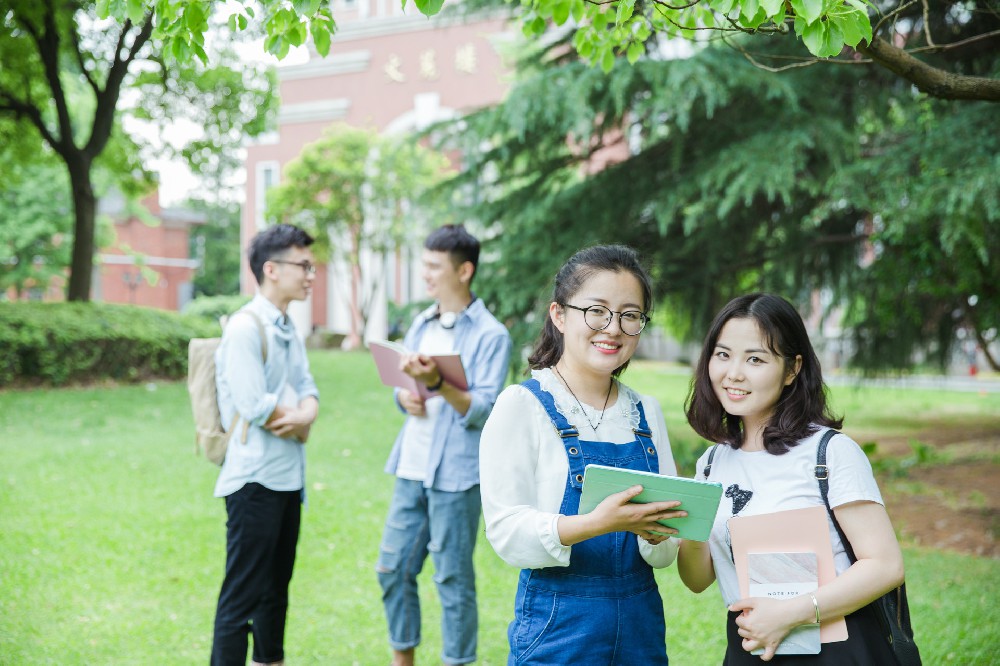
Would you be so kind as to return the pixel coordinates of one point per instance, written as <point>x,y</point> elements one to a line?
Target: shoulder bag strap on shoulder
<point>823,479</point>
<point>708,465</point>
<point>260,330</point>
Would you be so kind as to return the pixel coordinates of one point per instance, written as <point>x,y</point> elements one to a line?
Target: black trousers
<point>261,535</point>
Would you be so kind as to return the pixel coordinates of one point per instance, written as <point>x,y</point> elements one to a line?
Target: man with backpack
<point>264,388</point>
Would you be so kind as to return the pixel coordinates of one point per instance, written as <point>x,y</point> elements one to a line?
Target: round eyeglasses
<point>307,266</point>
<point>599,318</point>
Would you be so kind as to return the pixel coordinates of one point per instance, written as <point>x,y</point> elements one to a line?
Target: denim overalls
<point>604,608</point>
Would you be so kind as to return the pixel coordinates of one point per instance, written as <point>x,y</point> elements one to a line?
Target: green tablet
<point>699,498</point>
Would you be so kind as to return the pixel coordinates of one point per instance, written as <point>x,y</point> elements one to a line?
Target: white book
<point>784,576</point>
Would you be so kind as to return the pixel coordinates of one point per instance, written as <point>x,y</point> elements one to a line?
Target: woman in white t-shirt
<point>586,593</point>
<point>758,392</point>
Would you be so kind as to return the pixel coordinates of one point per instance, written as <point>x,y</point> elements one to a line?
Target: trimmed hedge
<point>57,343</point>
<point>214,307</point>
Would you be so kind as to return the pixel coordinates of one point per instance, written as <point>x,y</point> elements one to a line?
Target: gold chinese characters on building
<point>464,62</point>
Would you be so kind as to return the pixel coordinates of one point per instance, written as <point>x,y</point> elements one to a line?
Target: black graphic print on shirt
<point>739,496</point>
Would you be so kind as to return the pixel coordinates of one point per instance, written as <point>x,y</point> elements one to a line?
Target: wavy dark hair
<point>802,405</point>
<point>577,270</point>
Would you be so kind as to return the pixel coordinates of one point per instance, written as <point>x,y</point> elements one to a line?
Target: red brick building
<point>149,262</point>
<point>386,70</point>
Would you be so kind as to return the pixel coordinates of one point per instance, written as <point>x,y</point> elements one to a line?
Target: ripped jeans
<point>446,525</point>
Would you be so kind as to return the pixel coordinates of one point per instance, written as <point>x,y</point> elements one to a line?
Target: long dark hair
<point>577,270</point>
<point>801,406</point>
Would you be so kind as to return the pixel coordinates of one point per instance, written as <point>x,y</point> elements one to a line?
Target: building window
<point>267,177</point>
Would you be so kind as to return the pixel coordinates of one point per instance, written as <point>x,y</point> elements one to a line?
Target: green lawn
<point>112,546</point>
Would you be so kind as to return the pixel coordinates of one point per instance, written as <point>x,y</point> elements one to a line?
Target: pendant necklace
<point>606,398</point>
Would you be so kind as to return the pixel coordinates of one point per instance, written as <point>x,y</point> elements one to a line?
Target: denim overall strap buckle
<point>645,436</point>
<point>566,430</point>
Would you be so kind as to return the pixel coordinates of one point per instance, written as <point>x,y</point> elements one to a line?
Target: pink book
<point>387,356</point>
<point>794,531</point>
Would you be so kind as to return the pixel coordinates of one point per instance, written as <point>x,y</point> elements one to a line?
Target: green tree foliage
<point>931,178</point>
<point>358,193</point>
<point>228,102</point>
<point>50,50</point>
<point>216,245</point>
<point>36,217</point>
<point>36,225</point>
<point>729,179</point>
<point>916,41</point>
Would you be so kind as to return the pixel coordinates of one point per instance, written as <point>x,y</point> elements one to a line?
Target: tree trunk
<point>85,214</point>
<point>354,340</point>
<point>984,345</point>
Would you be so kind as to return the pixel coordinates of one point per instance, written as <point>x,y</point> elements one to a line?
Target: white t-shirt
<point>756,482</point>
<point>418,431</point>
<point>523,468</point>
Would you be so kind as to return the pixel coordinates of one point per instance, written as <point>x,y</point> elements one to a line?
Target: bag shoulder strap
<point>260,330</point>
<point>708,464</point>
<point>263,356</point>
<point>822,472</point>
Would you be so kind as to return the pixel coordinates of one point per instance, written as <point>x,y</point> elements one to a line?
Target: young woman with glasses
<point>586,593</point>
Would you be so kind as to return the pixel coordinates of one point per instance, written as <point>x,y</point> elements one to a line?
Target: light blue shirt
<point>252,388</point>
<point>484,345</point>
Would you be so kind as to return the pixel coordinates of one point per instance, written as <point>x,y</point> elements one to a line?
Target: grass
<point>112,546</point>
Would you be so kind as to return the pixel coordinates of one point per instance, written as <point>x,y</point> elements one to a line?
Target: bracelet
<point>815,606</point>
<point>440,382</point>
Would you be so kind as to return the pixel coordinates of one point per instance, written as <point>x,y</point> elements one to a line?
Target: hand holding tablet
<point>699,498</point>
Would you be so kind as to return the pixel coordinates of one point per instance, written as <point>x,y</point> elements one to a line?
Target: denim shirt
<point>253,389</point>
<point>484,345</point>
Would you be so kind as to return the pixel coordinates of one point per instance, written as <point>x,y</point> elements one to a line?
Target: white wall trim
<point>319,111</point>
<point>260,189</point>
<point>165,262</point>
<point>332,65</point>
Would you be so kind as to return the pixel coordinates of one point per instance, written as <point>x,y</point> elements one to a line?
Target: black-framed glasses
<point>307,266</point>
<point>599,318</point>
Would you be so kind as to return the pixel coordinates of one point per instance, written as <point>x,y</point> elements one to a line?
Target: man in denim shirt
<point>263,475</point>
<point>435,505</point>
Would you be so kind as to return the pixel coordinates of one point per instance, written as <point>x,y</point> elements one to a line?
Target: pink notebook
<point>387,356</point>
<point>794,531</point>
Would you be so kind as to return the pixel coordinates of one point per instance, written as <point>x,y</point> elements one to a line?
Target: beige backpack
<point>210,437</point>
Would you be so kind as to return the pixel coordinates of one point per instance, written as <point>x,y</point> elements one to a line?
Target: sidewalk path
<point>939,382</point>
<point>982,384</point>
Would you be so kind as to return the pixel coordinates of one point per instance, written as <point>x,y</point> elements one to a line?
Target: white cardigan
<point>523,469</point>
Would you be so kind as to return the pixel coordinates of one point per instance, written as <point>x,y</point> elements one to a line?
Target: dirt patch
<point>952,503</point>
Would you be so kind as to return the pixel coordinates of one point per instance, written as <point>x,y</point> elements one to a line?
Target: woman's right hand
<point>619,514</point>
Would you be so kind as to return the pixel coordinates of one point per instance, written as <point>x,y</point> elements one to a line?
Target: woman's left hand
<point>652,538</point>
<point>764,623</point>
